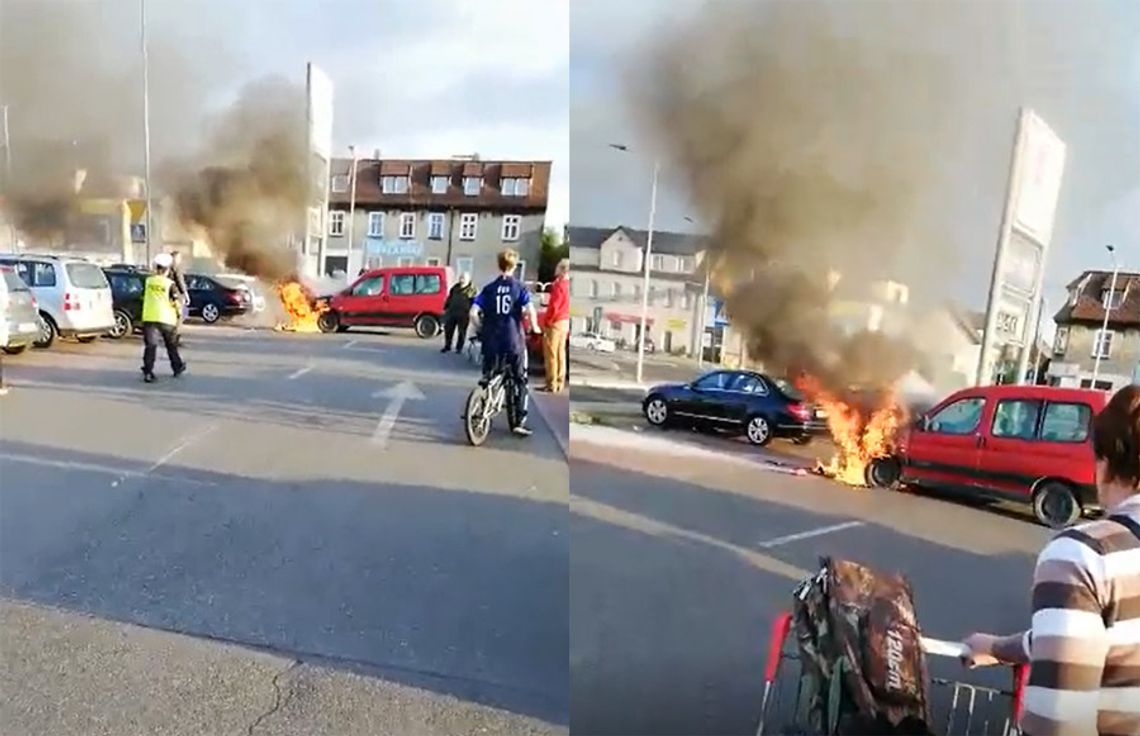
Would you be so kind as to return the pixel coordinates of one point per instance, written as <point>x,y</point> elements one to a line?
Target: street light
<point>351,215</point>
<point>146,127</point>
<point>645,265</point>
<point>1100,344</point>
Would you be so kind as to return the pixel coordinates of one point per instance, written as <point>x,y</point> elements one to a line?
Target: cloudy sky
<point>431,78</point>
<point>1078,64</point>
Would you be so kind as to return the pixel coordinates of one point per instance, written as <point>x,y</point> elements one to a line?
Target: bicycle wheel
<point>476,421</point>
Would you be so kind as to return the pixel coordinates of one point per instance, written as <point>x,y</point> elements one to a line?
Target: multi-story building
<point>1080,337</point>
<point>607,276</point>
<point>455,212</point>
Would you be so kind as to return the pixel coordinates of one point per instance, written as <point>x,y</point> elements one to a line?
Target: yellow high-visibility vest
<point>157,305</point>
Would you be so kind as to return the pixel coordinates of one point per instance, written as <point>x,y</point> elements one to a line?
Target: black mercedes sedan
<point>739,402</point>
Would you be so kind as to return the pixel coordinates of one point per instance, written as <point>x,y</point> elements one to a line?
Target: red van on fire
<point>397,296</point>
<point>1023,443</point>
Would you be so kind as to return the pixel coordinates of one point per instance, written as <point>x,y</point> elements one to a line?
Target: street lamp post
<point>352,214</point>
<point>146,130</point>
<point>8,171</point>
<point>1100,344</point>
<point>646,265</point>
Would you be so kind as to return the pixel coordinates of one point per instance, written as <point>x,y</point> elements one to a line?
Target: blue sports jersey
<point>502,302</point>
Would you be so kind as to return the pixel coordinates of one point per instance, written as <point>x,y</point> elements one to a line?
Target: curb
<point>563,441</point>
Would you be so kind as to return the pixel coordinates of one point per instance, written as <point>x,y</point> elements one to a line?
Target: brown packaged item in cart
<point>864,671</point>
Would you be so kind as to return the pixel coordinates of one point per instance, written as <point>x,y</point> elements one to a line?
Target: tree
<point>553,251</point>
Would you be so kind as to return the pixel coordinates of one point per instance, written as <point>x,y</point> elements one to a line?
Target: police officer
<point>161,303</point>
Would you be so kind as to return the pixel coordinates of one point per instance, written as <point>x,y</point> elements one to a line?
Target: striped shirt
<point>1084,645</point>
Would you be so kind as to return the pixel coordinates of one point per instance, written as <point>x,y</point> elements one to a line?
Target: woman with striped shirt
<point>1084,644</point>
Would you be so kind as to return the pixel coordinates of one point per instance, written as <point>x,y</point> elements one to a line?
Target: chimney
<point>376,154</point>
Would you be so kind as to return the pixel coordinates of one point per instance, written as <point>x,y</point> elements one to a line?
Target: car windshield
<point>787,389</point>
<point>86,276</point>
<point>14,282</point>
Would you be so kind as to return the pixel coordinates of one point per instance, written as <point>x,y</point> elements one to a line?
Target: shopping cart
<point>1000,708</point>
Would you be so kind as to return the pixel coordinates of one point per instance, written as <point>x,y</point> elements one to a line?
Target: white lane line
<point>809,534</point>
<point>186,442</point>
<point>96,468</point>
<point>298,373</point>
<point>350,344</point>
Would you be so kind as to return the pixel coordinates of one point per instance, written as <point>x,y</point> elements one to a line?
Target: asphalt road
<point>258,509</point>
<point>682,555</point>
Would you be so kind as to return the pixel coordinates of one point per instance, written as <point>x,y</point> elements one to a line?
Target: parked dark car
<point>127,284</point>
<point>214,297</point>
<point>739,402</point>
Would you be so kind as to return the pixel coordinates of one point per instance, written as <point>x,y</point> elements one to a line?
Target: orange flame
<point>860,434</point>
<point>301,313</point>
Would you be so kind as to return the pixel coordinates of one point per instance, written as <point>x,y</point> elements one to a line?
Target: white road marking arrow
<point>396,396</point>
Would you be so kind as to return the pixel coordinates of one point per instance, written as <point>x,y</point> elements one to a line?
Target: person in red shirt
<point>556,328</point>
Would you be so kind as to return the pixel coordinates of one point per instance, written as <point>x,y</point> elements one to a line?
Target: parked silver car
<point>19,313</point>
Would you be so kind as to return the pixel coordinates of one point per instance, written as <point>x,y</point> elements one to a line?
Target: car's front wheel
<point>758,430</point>
<point>1055,505</point>
<point>329,321</point>
<point>211,313</point>
<point>123,325</point>
<point>48,332</point>
<point>657,411</point>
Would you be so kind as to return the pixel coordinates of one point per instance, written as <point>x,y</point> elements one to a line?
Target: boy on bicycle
<point>497,314</point>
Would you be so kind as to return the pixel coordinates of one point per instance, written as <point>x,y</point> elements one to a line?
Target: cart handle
<point>780,628</point>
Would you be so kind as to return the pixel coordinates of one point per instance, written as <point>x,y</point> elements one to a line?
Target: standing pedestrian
<point>457,311</point>
<point>557,328</point>
<point>1083,644</point>
<point>160,318</point>
<point>179,279</point>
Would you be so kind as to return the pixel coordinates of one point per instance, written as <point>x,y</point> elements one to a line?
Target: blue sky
<point>1077,64</point>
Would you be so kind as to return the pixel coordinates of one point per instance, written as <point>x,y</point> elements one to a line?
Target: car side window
<point>197,283</point>
<point>1016,418</point>
<point>428,283</point>
<point>1066,423</point>
<point>403,284</point>
<point>42,274</point>
<point>369,287</point>
<point>747,384</point>
<point>960,417</point>
<point>713,381</point>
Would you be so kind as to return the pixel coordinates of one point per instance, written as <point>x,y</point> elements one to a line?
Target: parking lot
<point>682,554</point>
<point>308,496</point>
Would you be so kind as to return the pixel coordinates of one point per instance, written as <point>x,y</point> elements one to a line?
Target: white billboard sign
<point>320,112</point>
<point>1039,172</point>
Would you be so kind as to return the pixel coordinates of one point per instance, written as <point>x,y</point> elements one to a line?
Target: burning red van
<point>1025,443</point>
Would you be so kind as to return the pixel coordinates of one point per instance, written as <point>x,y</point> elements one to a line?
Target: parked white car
<point>592,341</point>
<point>73,294</point>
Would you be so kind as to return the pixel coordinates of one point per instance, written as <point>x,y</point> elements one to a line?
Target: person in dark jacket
<point>179,280</point>
<point>456,310</point>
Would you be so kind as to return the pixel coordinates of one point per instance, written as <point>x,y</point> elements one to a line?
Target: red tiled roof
<point>420,195</point>
<point>1088,304</point>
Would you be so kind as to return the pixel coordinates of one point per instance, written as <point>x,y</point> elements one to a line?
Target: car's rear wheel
<point>211,313</point>
<point>48,332</point>
<point>426,326</point>
<point>123,325</point>
<point>657,411</point>
<point>1055,505</point>
<point>758,430</point>
<point>15,349</point>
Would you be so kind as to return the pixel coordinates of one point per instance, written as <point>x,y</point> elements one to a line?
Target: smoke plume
<point>245,191</point>
<point>70,75</point>
<point>816,153</point>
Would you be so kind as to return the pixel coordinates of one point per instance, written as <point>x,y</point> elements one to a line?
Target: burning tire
<point>426,326</point>
<point>329,322</point>
<point>1055,505</point>
<point>758,430</point>
<point>884,472</point>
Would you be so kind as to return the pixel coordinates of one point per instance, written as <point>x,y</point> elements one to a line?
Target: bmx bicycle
<point>496,392</point>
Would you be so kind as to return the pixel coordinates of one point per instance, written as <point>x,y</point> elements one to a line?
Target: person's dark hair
<point>1116,437</point>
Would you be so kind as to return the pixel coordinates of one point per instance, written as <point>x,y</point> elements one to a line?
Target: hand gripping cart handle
<point>1001,707</point>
